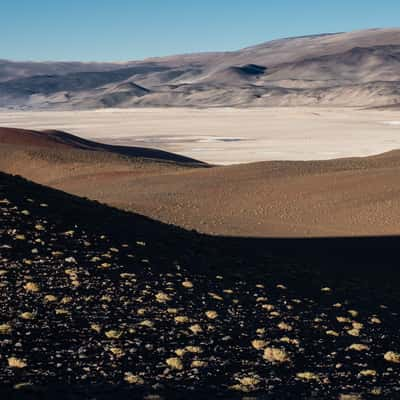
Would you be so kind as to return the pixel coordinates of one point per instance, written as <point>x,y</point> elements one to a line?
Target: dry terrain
<point>248,251</point>
<point>342,69</point>
<point>343,197</point>
<point>98,303</point>
<point>227,135</point>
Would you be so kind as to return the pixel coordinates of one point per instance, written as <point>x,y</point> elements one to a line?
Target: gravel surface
<point>94,309</point>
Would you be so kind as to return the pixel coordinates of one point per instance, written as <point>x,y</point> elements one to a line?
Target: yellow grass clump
<point>284,326</point>
<point>246,384</point>
<point>357,325</point>
<point>180,352</point>
<point>358,347</point>
<point>375,320</point>
<point>268,307</point>
<point>147,323</point>
<point>354,332</point>
<point>62,311</point>
<point>353,313</point>
<point>27,315</point>
<point>196,328</point>
<point>215,296</point>
<point>275,355</point>
<point>5,329</point>
<point>162,297</point>
<point>118,352</point>
<point>259,344</point>
<point>393,357</point>
<point>95,327</point>
<point>288,340</point>
<point>104,265</point>
<point>307,376</point>
<point>249,381</point>
<point>343,320</point>
<point>181,319</point>
<point>14,362</point>
<point>198,364</point>
<point>31,287</point>
<point>331,333</point>
<point>66,300</point>
<point>194,349</point>
<point>133,379</point>
<point>368,372</point>
<point>174,363</point>
<point>211,314</point>
<point>50,298</point>
<point>113,334</point>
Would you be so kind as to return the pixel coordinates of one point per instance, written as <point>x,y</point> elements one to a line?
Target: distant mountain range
<point>359,68</point>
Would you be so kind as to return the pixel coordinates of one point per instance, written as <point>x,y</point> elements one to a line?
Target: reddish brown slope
<point>58,139</point>
<point>359,196</point>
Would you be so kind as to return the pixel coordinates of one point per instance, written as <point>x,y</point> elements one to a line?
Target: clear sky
<point>134,29</point>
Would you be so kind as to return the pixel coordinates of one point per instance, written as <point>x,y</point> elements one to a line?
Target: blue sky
<point>134,29</point>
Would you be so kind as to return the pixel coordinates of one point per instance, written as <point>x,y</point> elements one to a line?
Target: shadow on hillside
<point>356,261</point>
<point>129,151</point>
<point>362,272</point>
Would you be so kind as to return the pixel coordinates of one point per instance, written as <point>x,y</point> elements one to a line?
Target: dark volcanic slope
<point>97,303</point>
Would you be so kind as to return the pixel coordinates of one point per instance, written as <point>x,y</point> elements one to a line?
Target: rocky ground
<point>99,304</point>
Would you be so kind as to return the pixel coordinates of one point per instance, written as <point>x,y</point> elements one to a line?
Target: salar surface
<point>230,135</point>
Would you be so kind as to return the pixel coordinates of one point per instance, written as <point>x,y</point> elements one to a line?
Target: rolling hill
<point>342,197</point>
<point>53,140</point>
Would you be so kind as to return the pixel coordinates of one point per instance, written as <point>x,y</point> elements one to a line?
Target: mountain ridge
<point>289,72</point>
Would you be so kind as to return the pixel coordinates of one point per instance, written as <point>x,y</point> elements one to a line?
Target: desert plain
<point>278,172</point>
<point>230,135</point>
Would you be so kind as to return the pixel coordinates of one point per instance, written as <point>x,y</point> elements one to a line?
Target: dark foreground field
<point>98,303</point>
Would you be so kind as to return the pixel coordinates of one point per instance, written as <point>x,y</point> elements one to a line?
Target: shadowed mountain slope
<point>21,69</point>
